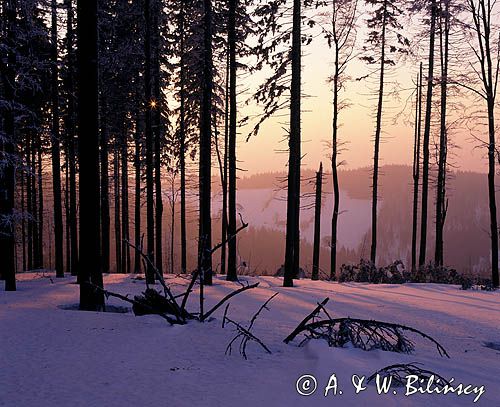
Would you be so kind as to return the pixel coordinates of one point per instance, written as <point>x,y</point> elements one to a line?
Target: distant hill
<point>466,238</point>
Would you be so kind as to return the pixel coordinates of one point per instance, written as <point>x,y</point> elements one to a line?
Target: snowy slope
<point>50,356</point>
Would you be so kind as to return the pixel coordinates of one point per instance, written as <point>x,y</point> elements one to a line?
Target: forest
<point>156,250</point>
<point>119,117</point>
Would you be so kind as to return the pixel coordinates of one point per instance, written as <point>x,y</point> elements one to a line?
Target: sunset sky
<point>259,154</point>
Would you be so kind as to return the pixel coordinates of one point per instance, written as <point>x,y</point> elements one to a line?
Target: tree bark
<point>137,204</point>
<point>182,137</point>
<point>231,229</point>
<point>224,172</point>
<point>150,215</point>
<point>105,216</point>
<point>427,132</point>
<point>125,206</point>
<point>29,199</point>
<point>378,130</point>
<point>89,267</point>
<point>317,224</point>
<point>335,176</point>
<point>56,149</point>
<point>416,168</point>
<point>158,137</point>
<point>293,196</point>
<point>205,171</point>
<point>41,200</point>
<point>117,225</point>
<point>7,148</point>
<point>441,202</point>
<point>70,128</point>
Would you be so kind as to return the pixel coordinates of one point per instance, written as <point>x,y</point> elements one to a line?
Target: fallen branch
<point>108,294</point>
<point>301,326</point>
<point>230,237</point>
<point>364,334</point>
<point>247,336</point>
<point>200,273</point>
<point>245,333</point>
<point>189,290</point>
<point>180,313</point>
<point>227,297</point>
<point>263,307</point>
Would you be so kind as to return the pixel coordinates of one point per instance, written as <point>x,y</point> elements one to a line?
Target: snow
<point>50,356</point>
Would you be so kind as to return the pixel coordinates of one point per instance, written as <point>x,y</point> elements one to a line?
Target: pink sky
<point>259,154</point>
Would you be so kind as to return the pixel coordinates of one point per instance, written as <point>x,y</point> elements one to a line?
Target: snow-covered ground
<point>50,356</point>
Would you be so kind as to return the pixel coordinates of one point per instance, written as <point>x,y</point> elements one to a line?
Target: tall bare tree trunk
<point>317,224</point>
<point>56,149</point>
<point>335,176</point>
<point>89,267</point>
<point>105,216</point>
<point>182,137</point>
<point>378,131</point>
<point>23,221</point>
<point>205,225</point>
<point>29,199</point>
<point>416,167</point>
<point>292,255</point>
<point>482,13</point>
<point>149,105</point>
<point>41,200</point>
<point>441,201</point>
<point>34,206</point>
<point>137,203</point>
<point>231,230</point>
<point>426,141</point>
<point>224,172</point>
<point>125,215</point>
<point>70,128</point>
<point>158,137</point>
<point>117,223</point>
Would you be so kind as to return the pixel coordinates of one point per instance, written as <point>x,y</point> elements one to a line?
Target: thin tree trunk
<point>293,198</point>
<point>231,229</point>
<point>426,141</point>
<point>182,136</point>
<point>29,199</point>
<point>89,267</point>
<point>150,215</point>
<point>23,220</point>
<point>116,185</point>
<point>491,191</point>
<point>34,207</point>
<point>125,222</point>
<point>335,176</point>
<point>224,173</point>
<point>482,19</point>
<point>416,167</point>
<point>441,202</point>
<point>56,150</point>
<point>172,232</point>
<point>205,225</point>
<point>105,216</point>
<point>317,224</point>
<point>158,137</point>
<point>137,206</point>
<point>378,131</point>
<point>70,127</point>
<point>67,226</point>
<point>41,200</point>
